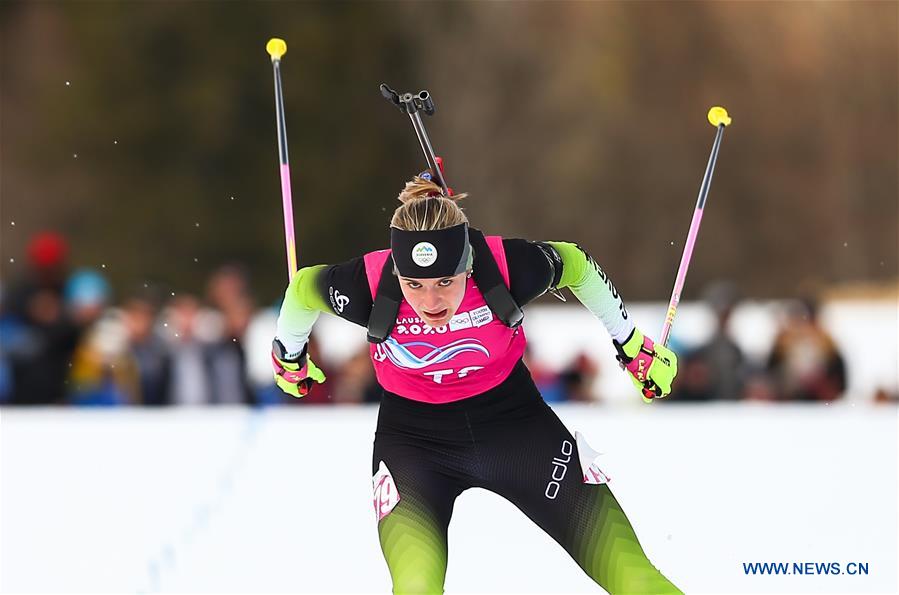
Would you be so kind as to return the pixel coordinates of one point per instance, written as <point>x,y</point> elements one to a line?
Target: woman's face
<point>434,300</point>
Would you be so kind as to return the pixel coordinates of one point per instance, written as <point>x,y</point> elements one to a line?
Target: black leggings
<point>506,440</point>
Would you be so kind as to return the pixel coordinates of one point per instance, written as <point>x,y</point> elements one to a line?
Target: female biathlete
<point>459,408</point>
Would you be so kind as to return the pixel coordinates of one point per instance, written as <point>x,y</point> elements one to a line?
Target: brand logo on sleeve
<point>338,300</point>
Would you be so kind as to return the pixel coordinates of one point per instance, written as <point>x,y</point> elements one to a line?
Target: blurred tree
<point>580,121</point>
<point>588,121</point>
<point>136,124</point>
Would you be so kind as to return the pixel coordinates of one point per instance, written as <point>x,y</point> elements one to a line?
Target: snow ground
<point>231,500</point>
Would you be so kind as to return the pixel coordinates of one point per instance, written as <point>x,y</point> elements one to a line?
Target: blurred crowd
<point>64,341</point>
<point>804,363</point>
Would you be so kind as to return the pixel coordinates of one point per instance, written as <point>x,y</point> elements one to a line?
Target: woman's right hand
<point>295,377</point>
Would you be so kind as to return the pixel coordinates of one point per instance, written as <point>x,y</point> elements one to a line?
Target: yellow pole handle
<point>276,47</point>
<point>717,115</point>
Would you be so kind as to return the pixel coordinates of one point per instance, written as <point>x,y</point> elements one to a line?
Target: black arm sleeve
<point>534,267</point>
<point>345,288</point>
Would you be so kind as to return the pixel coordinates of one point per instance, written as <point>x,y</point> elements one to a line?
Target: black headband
<point>430,254</point>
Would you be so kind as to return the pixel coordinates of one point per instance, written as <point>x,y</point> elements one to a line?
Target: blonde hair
<point>426,208</point>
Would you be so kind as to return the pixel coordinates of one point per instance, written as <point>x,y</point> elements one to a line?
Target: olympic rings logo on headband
<point>424,254</point>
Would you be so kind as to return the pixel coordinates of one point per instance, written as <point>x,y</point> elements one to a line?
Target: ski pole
<point>412,104</point>
<point>719,119</point>
<point>276,48</point>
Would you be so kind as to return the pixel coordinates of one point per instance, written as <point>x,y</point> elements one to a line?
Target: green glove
<point>652,367</point>
<point>294,377</point>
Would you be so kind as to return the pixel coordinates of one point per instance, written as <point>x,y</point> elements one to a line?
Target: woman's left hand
<point>652,367</point>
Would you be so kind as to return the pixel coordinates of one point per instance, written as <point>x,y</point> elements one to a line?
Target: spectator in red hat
<point>39,358</point>
<point>48,250</point>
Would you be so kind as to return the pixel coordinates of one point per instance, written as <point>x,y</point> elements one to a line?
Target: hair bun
<point>420,188</point>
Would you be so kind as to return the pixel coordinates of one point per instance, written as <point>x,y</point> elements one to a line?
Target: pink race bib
<point>471,354</point>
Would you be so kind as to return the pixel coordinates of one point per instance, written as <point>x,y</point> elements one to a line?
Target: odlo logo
<point>560,468</point>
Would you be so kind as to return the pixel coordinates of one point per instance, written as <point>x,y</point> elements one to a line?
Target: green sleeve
<point>593,288</point>
<point>302,304</point>
<point>575,264</point>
